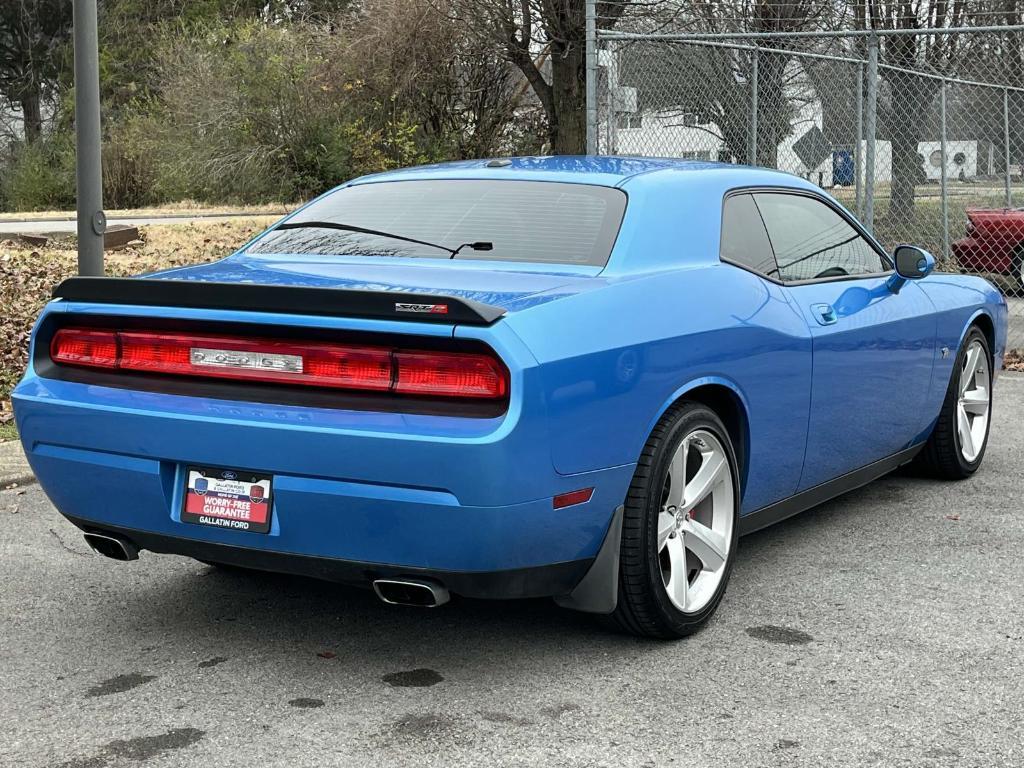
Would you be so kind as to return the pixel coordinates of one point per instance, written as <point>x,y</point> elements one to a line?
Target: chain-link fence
<point>922,139</point>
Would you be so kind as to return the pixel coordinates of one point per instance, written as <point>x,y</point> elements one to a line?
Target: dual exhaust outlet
<point>111,546</point>
<point>422,594</point>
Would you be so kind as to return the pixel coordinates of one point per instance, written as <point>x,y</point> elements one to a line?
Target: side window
<point>744,239</point>
<point>812,241</point>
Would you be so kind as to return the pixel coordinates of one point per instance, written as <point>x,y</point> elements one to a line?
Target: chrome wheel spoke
<point>695,523</point>
<point>678,584</point>
<point>704,482</point>
<point>710,547</point>
<point>963,425</point>
<point>677,475</point>
<point>975,401</point>
<point>666,527</point>
<point>970,367</point>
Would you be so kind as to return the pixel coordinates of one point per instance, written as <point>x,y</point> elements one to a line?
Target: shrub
<point>40,176</point>
<point>129,162</point>
<point>251,113</point>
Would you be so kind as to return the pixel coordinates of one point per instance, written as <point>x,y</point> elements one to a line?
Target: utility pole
<point>89,176</point>
<point>591,76</point>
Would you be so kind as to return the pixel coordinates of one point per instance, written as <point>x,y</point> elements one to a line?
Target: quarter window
<point>744,239</point>
<point>812,241</point>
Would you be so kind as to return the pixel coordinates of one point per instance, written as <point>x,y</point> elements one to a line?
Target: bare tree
<point>32,33</point>
<point>910,95</point>
<point>714,84</point>
<point>546,41</point>
<point>413,58</point>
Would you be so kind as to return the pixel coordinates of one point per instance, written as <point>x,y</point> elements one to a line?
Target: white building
<point>678,134</point>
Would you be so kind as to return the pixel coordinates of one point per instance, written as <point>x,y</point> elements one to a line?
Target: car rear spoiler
<point>287,299</point>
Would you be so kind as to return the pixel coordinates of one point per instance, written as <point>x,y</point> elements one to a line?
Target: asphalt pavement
<point>881,629</point>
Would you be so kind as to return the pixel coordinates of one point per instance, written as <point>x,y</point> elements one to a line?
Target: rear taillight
<point>226,357</point>
<point>310,363</point>
<point>81,346</point>
<point>449,373</point>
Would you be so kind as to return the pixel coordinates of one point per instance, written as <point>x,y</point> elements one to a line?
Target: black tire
<point>644,608</point>
<point>942,456</point>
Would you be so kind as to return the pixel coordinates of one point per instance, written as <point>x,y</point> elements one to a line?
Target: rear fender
<point>691,386</point>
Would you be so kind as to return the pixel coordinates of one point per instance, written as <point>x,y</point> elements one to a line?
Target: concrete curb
<point>14,468</point>
<point>17,482</point>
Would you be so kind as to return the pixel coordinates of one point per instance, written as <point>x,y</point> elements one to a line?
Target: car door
<point>872,347</point>
<point>776,383</point>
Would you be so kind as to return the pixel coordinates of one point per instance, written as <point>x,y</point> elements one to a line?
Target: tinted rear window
<point>525,220</point>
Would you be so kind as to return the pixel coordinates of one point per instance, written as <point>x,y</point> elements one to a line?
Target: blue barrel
<point>842,168</point>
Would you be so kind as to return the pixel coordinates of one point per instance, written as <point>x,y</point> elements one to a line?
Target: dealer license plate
<point>227,498</point>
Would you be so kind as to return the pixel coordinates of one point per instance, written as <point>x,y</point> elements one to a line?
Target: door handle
<point>825,314</point>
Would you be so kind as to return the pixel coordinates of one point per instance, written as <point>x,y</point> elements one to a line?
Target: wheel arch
<point>726,399</point>
<point>983,321</point>
<point>987,326</point>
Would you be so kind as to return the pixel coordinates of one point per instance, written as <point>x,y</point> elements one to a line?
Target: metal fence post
<point>870,120</point>
<point>91,220</point>
<point>591,85</point>
<point>943,180</point>
<point>752,147</point>
<point>1006,145</point>
<point>857,151</point>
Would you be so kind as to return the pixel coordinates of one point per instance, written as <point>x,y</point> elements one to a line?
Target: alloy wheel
<point>696,520</point>
<point>973,405</point>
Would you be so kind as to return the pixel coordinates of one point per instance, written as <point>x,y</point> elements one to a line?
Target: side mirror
<point>912,263</point>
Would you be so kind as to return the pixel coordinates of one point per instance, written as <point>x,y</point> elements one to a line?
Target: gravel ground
<point>883,628</point>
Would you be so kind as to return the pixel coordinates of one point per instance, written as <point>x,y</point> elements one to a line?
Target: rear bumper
<point>540,581</point>
<point>469,506</point>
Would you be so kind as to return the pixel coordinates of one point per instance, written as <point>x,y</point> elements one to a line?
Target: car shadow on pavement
<point>199,599</point>
<point>301,627</point>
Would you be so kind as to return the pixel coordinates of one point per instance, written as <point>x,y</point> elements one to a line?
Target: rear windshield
<point>522,221</point>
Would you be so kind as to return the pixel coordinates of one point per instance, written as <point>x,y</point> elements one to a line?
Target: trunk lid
<point>511,287</point>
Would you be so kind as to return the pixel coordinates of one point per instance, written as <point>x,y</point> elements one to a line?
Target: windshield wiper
<point>480,245</point>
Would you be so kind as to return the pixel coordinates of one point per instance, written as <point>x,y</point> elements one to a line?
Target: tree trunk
<point>773,123</point>
<point>905,172</point>
<point>32,116</point>
<point>567,122</point>
<point>911,98</point>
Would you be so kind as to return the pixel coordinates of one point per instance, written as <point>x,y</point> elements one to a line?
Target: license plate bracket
<point>236,499</point>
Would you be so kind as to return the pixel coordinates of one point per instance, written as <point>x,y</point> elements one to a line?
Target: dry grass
<point>27,277</point>
<point>1014,360</point>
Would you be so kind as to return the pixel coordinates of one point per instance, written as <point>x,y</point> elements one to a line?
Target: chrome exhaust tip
<point>421,594</point>
<point>112,547</point>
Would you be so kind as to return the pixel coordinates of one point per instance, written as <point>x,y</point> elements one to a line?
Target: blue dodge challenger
<point>574,377</point>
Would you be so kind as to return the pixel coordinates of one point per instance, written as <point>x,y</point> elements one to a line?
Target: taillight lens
<point>449,374</point>
<point>341,366</point>
<point>227,357</point>
<point>79,346</point>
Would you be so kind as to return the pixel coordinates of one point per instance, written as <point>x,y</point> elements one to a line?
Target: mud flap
<point>598,590</point>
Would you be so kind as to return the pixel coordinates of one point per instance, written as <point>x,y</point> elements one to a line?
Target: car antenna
<point>479,245</point>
